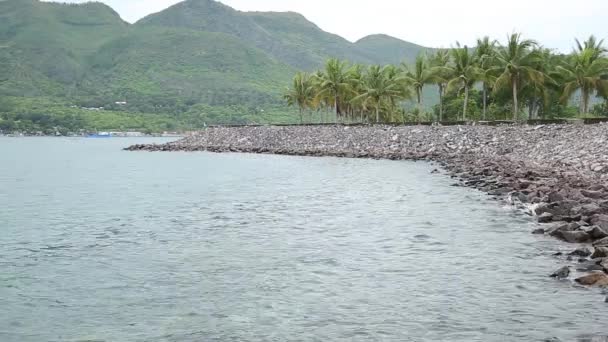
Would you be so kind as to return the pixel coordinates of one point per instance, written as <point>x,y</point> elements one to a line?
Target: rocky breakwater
<point>558,173</point>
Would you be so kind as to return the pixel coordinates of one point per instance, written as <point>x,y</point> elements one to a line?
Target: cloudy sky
<point>436,23</point>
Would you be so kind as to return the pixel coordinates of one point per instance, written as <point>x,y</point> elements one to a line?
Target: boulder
<point>592,194</point>
<point>596,232</point>
<point>543,208</point>
<point>545,217</point>
<point>588,266</point>
<point>600,220</point>
<point>597,278</point>
<point>588,209</point>
<point>561,273</point>
<point>538,231</point>
<point>575,236</point>
<point>521,197</point>
<point>555,197</point>
<point>557,231</point>
<point>601,242</point>
<point>582,252</point>
<point>600,252</point>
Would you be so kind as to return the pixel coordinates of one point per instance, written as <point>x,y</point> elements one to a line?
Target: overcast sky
<point>435,23</point>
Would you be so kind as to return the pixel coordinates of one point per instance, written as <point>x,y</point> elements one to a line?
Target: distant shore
<point>112,135</point>
<point>558,173</point>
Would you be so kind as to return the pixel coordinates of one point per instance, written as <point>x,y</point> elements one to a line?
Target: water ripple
<point>211,247</point>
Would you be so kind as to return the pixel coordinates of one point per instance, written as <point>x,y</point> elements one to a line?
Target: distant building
<point>121,103</point>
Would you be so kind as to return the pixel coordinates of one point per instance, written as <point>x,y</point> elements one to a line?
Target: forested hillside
<point>197,62</point>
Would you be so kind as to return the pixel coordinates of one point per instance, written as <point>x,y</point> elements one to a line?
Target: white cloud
<point>437,23</point>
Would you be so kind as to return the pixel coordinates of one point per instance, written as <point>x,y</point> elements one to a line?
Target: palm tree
<point>484,53</point>
<point>335,83</point>
<point>591,44</point>
<point>586,70</point>
<point>464,73</point>
<point>515,67</point>
<point>440,62</point>
<point>356,80</point>
<point>379,86</point>
<point>538,94</point>
<point>418,77</point>
<point>301,93</point>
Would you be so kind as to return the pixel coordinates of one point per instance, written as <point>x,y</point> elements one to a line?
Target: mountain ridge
<point>194,54</point>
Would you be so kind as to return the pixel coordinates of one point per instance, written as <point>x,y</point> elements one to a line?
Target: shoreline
<point>559,171</point>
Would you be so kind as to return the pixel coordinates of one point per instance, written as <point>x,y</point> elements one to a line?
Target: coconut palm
<point>379,86</point>
<point>586,70</point>
<point>538,94</point>
<point>464,73</point>
<point>393,74</point>
<point>440,62</point>
<point>591,44</point>
<point>418,76</point>
<point>515,67</point>
<point>301,93</point>
<point>335,83</point>
<point>356,76</point>
<point>484,54</point>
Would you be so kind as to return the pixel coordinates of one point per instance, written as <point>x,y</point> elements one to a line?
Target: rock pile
<point>558,172</point>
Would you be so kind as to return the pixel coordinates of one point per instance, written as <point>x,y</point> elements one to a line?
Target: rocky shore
<point>558,173</point>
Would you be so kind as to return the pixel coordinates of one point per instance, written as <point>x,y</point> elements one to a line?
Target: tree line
<point>519,79</point>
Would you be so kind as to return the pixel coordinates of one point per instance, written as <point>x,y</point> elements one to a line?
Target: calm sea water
<point>98,244</point>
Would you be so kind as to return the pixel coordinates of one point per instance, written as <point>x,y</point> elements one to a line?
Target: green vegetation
<point>67,68</point>
<point>488,82</point>
<point>197,62</point>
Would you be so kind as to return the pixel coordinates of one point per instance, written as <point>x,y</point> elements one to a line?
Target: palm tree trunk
<point>378,112</point>
<point>301,116</point>
<point>466,102</point>
<point>336,108</point>
<point>440,102</point>
<point>585,102</point>
<point>515,104</point>
<point>485,100</point>
<point>419,95</point>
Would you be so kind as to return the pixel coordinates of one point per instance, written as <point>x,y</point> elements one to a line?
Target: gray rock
<point>587,266</point>
<point>596,232</point>
<point>601,242</point>
<point>575,236</point>
<point>557,231</point>
<point>538,231</point>
<point>555,197</point>
<point>600,221</point>
<point>545,217</point>
<point>521,197</point>
<point>604,264</point>
<point>561,273</point>
<point>583,252</point>
<point>592,194</point>
<point>542,208</point>
<point>588,209</point>
<point>600,252</point>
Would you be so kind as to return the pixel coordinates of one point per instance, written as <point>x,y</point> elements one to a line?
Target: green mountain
<point>386,49</point>
<point>44,46</point>
<point>196,62</point>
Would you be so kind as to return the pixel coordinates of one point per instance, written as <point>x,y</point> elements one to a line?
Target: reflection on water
<point>98,244</point>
